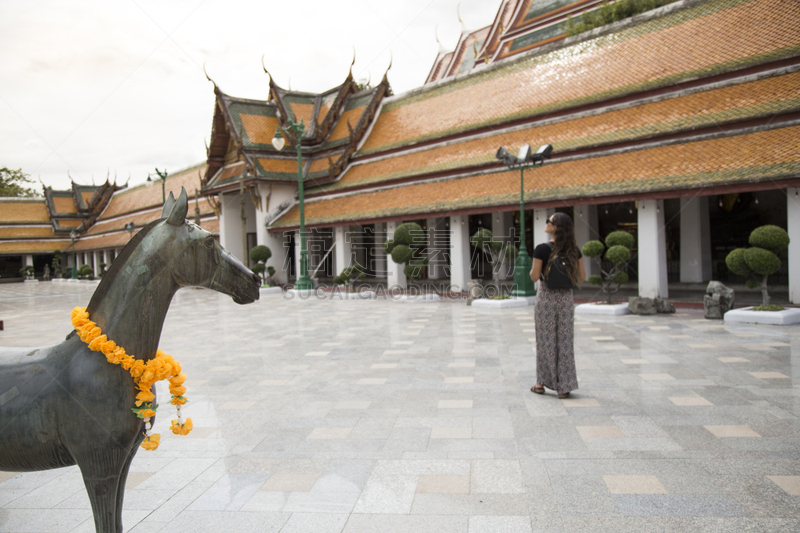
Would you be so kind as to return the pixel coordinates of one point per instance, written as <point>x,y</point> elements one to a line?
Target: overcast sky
<point>92,87</point>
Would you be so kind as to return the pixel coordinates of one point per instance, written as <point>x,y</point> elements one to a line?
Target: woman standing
<point>555,310</point>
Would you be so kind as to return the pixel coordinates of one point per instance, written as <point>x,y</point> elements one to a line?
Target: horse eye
<point>209,242</point>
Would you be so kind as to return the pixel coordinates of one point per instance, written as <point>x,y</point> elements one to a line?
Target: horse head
<point>200,261</point>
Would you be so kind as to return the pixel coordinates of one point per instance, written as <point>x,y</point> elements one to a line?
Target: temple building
<point>89,225</point>
<point>680,125</point>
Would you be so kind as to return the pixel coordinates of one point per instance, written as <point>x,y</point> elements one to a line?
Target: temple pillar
<point>540,217</point>
<point>587,228</point>
<point>695,240</point>
<point>793,228</point>
<point>437,252</point>
<point>394,273</point>
<point>380,257</point>
<point>652,250</point>
<point>459,253</point>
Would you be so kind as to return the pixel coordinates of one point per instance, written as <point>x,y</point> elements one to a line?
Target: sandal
<point>538,389</point>
<point>563,396</point>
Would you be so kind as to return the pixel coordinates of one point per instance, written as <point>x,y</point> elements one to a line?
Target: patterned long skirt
<point>555,354</point>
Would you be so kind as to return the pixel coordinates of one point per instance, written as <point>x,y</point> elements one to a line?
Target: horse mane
<point>113,270</point>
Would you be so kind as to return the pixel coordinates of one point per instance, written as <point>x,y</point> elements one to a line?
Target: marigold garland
<point>144,373</point>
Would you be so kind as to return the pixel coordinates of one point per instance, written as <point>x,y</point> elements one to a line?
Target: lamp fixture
<point>278,142</point>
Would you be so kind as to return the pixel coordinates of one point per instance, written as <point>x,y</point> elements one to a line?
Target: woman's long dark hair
<point>564,246</point>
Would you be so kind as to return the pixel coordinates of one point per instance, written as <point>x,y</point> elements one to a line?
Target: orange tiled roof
<point>259,129</point>
<point>656,53</point>
<point>23,211</point>
<point>33,247</point>
<point>16,232</point>
<point>140,197</point>
<point>120,238</point>
<point>762,155</point>
<point>766,96</point>
<point>64,205</point>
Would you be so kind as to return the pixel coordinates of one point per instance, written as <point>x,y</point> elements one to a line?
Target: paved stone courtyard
<point>363,416</point>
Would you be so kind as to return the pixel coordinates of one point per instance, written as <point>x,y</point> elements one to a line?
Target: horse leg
<point>101,474</point>
<point>120,492</point>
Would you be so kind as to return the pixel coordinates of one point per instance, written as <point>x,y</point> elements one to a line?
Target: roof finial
<point>265,68</point>
<point>290,83</point>
<point>442,49</point>
<point>391,59</point>
<point>458,13</point>
<point>207,76</point>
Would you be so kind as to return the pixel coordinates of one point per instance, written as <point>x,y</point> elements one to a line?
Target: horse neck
<point>132,305</point>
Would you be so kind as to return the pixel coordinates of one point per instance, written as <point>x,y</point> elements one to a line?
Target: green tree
<point>261,254</point>
<point>617,250</point>
<point>12,183</point>
<point>408,239</point>
<point>761,260</point>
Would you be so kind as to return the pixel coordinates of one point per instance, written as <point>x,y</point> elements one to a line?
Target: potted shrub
<point>617,250</point>
<point>404,248</point>
<point>57,267</point>
<point>26,272</point>
<point>260,255</point>
<point>85,272</point>
<point>760,261</point>
<point>348,276</point>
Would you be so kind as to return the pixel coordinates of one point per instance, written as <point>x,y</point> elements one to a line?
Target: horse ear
<point>168,205</point>
<point>177,214</point>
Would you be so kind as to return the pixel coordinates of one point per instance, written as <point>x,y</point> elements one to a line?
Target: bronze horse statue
<point>66,405</point>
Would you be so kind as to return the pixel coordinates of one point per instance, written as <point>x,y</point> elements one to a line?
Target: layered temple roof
<point>98,214</point>
<point>677,99</point>
<point>242,131</point>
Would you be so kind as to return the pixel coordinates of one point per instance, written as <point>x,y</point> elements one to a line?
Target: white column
<point>28,260</point>
<point>793,228</point>
<point>394,272</point>
<point>437,254</point>
<point>297,254</point>
<point>540,217</point>
<point>652,251</point>
<point>502,222</point>
<point>587,228</point>
<point>380,256</point>
<point>695,240</point>
<point>341,250</point>
<point>230,225</point>
<point>459,253</point>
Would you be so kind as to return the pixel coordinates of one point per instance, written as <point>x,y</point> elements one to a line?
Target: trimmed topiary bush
<point>761,260</point>
<point>260,255</point>
<point>404,247</point>
<point>85,272</point>
<point>618,251</point>
<point>349,275</point>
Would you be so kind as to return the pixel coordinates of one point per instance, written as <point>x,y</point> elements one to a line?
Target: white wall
<point>587,229</point>
<point>793,228</point>
<point>459,253</point>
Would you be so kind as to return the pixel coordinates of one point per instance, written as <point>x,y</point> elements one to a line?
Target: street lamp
<point>72,236</point>
<point>129,227</point>
<point>523,284</point>
<point>303,281</point>
<point>163,177</point>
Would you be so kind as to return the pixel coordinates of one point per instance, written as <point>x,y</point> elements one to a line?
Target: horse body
<point>73,407</point>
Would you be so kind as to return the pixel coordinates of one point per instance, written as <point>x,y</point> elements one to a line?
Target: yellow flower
<point>108,347</point>
<point>144,396</point>
<point>147,376</point>
<point>136,368</point>
<point>97,343</point>
<point>145,413</point>
<point>177,391</point>
<point>178,400</point>
<point>181,429</point>
<point>177,380</point>
<point>151,443</point>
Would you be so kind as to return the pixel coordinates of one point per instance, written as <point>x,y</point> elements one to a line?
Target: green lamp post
<point>303,281</point>
<point>163,177</point>
<point>523,284</point>
<point>72,236</point>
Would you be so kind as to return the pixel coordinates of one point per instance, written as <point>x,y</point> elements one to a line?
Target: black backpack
<point>557,277</point>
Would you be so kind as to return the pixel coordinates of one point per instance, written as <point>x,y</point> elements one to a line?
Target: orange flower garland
<point>144,373</point>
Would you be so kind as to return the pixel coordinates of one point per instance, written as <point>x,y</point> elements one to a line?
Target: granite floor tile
<point>360,434</point>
